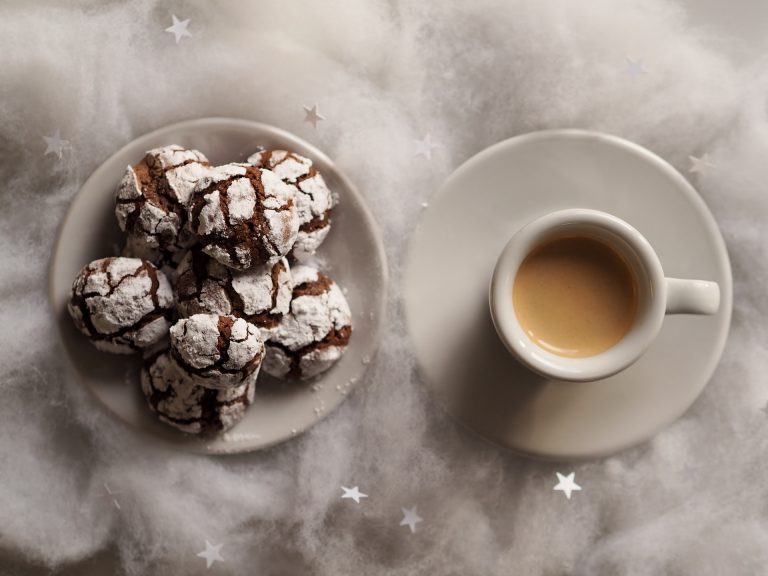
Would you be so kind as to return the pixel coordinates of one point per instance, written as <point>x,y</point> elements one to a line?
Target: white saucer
<point>452,255</point>
<point>353,252</point>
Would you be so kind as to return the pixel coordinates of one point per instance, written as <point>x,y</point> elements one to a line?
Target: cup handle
<point>692,296</point>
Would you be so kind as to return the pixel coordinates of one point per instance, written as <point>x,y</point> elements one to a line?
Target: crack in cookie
<point>216,351</point>
<point>260,295</point>
<point>313,200</point>
<point>151,203</point>
<point>191,408</point>
<point>316,331</point>
<point>244,216</point>
<point>121,304</point>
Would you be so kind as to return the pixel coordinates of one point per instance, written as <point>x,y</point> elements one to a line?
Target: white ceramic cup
<point>657,295</point>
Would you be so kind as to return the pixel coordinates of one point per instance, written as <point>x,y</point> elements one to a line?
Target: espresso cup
<point>655,295</point>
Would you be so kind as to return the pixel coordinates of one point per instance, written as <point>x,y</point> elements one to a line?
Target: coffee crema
<point>575,296</point>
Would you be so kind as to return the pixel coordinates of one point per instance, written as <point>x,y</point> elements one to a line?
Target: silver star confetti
<point>635,67</point>
<point>353,493</point>
<point>112,493</point>
<point>424,147</point>
<point>211,553</point>
<point>566,484</point>
<point>179,28</point>
<point>55,144</point>
<point>410,518</point>
<point>700,165</point>
<point>312,115</point>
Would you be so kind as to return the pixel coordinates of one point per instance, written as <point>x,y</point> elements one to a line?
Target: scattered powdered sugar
<point>240,437</point>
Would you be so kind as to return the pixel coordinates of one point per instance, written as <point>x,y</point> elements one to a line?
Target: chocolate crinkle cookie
<point>152,200</point>
<point>216,351</point>
<point>121,304</point>
<point>312,197</point>
<point>316,331</point>
<point>260,295</point>
<point>244,216</point>
<point>191,408</point>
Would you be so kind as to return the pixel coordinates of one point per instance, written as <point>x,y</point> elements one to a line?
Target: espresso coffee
<point>575,296</point>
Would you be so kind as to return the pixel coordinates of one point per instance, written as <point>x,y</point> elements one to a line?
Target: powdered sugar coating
<point>191,408</point>
<point>312,197</point>
<point>152,199</point>
<point>244,216</point>
<point>121,304</point>
<point>216,351</point>
<point>260,295</point>
<point>174,155</point>
<point>315,333</point>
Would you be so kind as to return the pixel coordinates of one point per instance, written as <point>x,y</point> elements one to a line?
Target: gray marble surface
<point>691,501</point>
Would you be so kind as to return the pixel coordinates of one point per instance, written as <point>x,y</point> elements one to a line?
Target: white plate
<point>353,252</point>
<point>451,258</point>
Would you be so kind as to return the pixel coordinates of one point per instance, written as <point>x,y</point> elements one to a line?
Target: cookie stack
<point>214,282</point>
